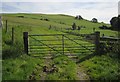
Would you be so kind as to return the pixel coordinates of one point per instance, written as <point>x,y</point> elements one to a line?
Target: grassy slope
<point>34,25</point>
<point>55,20</point>
<point>103,67</point>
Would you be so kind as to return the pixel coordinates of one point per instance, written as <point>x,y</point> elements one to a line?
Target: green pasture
<point>19,66</point>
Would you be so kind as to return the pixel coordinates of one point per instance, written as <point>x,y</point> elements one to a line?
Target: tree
<point>94,20</point>
<point>114,23</point>
<point>74,26</point>
<point>79,17</point>
<point>93,29</point>
<point>104,27</point>
<point>76,17</point>
<point>79,27</point>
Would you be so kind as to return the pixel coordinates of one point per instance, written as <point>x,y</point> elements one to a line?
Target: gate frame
<point>25,39</point>
<point>97,42</point>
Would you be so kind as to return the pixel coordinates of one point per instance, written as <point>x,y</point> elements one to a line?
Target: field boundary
<point>61,46</point>
<point>62,39</point>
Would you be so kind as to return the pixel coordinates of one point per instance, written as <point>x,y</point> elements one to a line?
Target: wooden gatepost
<point>12,35</point>
<point>97,42</point>
<point>6,26</point>
<point>25,39</point>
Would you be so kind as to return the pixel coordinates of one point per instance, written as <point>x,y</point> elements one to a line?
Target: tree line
<point>115,23</point>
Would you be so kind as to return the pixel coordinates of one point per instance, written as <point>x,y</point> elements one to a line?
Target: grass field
<point>19,66</point>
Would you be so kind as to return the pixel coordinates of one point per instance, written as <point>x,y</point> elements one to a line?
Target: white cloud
<point>60,0</point>
<point>119,8</point>
<point>103,11</point>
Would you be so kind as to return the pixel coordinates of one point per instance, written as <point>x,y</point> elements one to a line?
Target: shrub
<point>114,23</point>
<point>79,17</point>
<point>21,16</point>
<point>12,51</point>
<point>94,20</point>
<point>46,19</point>
<point>104,27</point>
<point>79,27</point>
<point>74,26</point>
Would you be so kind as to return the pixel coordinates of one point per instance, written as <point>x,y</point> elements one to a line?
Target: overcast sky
<point>59,0</point>
<point>103,10</point>
<point>119,7</point>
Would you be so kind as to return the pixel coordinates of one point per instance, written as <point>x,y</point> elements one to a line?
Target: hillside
<point>59,21</point>
<point>17,65</point>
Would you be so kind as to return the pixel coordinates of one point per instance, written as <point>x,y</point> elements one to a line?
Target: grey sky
<point>103,11</point>
<point>119,7</point>
<point>60,0</point>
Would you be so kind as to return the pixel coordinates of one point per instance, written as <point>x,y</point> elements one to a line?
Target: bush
<point>94,20</point>
<point>79,27</point>
<point>114,23</point>
<point>104,27</point>
<point>79,17</point>
<point>12,51</point>
<point>74,26</point>
<point>46,19</point>
<point>21,16</point>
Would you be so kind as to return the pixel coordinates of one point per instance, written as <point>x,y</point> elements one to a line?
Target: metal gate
<point>58,44</point>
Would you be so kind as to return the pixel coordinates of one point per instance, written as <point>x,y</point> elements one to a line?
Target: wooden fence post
<point>6,26</point>
<point>97,42</point>
<point>12,35</point>
<point>25,38</point>
<point>63,43</point>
